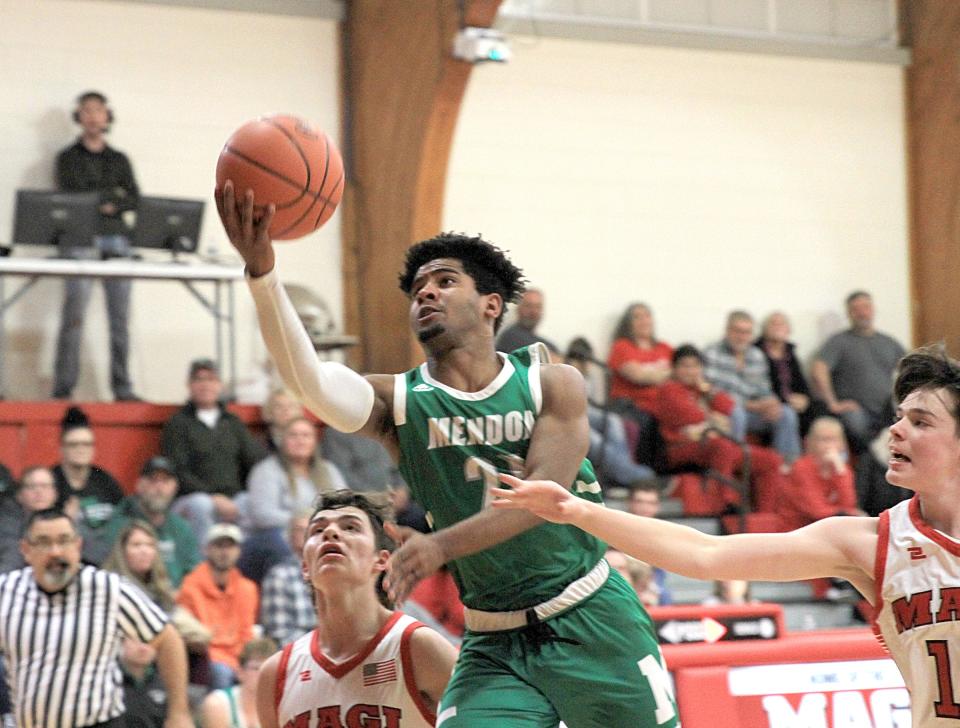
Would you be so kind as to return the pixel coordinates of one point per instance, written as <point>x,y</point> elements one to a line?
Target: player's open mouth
<point>426,312</point>
<point>330,549</point>
<point>898,457</point>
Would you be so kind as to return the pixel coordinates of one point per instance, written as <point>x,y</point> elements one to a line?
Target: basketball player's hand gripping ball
<point>289,163</point>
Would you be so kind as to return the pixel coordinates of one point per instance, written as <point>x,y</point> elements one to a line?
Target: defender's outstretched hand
<point>544,498</point>
<point>247,227</point>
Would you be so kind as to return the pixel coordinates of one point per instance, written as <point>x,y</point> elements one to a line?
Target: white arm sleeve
<point>333,392</point>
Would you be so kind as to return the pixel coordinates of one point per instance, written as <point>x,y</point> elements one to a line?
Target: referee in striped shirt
<point>61,628</point>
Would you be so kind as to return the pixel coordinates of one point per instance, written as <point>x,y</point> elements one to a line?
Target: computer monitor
<point>168,223</point>
<point>69,220</point>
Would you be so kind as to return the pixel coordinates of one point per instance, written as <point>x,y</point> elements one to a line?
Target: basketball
<point>290,163</point>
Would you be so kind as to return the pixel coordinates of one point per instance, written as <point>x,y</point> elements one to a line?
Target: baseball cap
<point>224,530</point>
<point>158,464</point>
<point>206,364</point>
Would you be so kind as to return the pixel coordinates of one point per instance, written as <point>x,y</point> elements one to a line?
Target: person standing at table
<point>92,165</point>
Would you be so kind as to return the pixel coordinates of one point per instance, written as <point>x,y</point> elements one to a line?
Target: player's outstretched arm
<point>335,393</point>
<point>841,547</point>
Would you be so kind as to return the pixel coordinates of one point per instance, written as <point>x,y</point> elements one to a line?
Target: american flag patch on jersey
<point>376,673</point>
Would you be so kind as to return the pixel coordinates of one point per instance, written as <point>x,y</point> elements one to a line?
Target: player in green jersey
<point>552,633</point>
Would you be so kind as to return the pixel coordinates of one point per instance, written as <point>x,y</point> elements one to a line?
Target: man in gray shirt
<point>854,372</point>
<point>523,331</point>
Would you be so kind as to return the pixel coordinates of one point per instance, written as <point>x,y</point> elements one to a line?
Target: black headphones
<point>97,96</point>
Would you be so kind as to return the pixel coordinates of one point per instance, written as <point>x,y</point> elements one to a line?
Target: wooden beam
<point>402,95</point>
<point>932,29</point>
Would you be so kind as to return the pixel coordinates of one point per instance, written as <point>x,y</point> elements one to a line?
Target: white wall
<point>696,181</point>
<point>179,80</point>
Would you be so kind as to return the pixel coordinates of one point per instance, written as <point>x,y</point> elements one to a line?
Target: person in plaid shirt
<point>286,605</point>
<point>737,367</point>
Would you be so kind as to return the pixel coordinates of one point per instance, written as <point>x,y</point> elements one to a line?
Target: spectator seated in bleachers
<point>854,373</point>
<point>644,500</point>
<point>522,332</point>
<point>97,492</point>
<point>8,484</point>
<point>278,486</point>
<point>280,408</point>
<point>609,450</point>
<point>224,601</point>
<point>136,556</point>
<point>363,461</point>
<point>638,574</point>
<point>737,367</point>
<point>638,361</point>
<point>236,706</point>
<point>212,451</point>
<point>143,693</point>
<point>406,511</point>
<point>694,419</point>
<point>36,491</point>
<point>729,591</point>
<point>785,371</point>
<point>150,502</point>
<point>821,482</point>
<point>286,601</point>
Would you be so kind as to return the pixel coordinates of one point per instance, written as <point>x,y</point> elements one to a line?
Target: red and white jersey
<point>917,574</point>
<point>373,688</point>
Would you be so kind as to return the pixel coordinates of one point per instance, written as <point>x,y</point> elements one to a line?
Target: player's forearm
<point>482,531</point>
<point>172,664</point>
<point>670,546</point>
<point>336,394</point>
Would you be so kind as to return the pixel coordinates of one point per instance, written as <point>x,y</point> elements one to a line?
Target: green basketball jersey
<point>453,443</point>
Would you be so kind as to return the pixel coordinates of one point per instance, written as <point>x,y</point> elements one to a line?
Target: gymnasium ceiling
<point>864,30</point>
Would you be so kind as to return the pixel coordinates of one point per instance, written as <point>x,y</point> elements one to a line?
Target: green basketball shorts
<point>596,665</point>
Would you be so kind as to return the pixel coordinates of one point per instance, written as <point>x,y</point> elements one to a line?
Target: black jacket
<point>108,172</point>
<point>210,460</point>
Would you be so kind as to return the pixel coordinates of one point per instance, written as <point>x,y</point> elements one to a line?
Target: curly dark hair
<point>929,368</point>
<point>485,263</point>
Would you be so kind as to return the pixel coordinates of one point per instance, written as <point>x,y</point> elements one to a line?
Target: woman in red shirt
<point>638,361</point>
<point>691,413</point>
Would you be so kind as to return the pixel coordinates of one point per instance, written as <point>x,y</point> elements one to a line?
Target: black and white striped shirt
<point>61,649</point>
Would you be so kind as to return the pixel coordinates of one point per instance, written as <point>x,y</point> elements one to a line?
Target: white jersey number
<point>476,468</point>
<point>946,706</point>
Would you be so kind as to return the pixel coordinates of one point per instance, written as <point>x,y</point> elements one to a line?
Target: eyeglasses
<point>48,544</point>
<point>79,443</point>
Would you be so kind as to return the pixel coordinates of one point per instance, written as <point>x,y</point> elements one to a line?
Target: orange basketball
<point>290,163</point>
